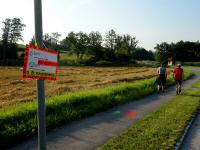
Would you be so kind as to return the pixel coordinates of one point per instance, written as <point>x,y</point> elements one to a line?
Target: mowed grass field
<point>15,90</point>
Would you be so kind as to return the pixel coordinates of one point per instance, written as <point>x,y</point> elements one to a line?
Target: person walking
<point>161,78</point>
<point>178,75</point>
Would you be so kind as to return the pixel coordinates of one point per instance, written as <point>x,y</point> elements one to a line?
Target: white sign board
<point>40,63</point>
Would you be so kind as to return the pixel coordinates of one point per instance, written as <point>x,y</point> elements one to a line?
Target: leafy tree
<point>46,38</point>
<point>16,30</point>
<point>95,48</point>
<point>162,52</point>
<point>81,44</point>
<point>52,41</point>
<point>186,51</point>
<point>122,53</point>
<point>12,33</point>
<point>55,38</point>
<point>125,47</point>
<point>143,54</point>
<point>77,43</point>
<point>66,44</point>
<point>95,39</point>
<point>6,30</point>
<point>110,40</point>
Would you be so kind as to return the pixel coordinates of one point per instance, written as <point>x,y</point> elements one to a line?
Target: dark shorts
<point>178,82</point>
<point>161,79</point>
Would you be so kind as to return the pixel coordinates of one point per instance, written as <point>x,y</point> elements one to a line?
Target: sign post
<point>40,83</point>
<point>40,64</point>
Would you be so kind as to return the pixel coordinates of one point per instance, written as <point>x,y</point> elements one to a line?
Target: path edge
<point>186,131</point>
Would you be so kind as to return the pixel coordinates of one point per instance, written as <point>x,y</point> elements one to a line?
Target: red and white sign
<point>40,63</point>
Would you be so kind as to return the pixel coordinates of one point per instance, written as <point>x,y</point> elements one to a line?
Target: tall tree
<point>51,41</point>
<point>95,48</point>
<point>162,52</point>
<point>55,38</point>
<point>12,30</point>
<point>110,39</point>
<point>69,41</point>
<point>5,37</point>
<point>81,44</point>
<point>77,43</point>
<point>16,30</point>
<point>6,30</point>
<point>12,33</point>
<point>95,39</point>
<point>125,47</point>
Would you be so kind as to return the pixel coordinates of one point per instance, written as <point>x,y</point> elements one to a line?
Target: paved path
<point>90,133</point>
<point>192,141</point>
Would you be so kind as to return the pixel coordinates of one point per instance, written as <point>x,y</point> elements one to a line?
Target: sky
<point>150,21</point>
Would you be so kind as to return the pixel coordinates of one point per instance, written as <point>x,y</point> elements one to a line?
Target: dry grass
<point>14,89</point>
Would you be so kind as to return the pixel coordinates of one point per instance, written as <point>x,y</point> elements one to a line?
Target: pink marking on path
<point>131,114</point>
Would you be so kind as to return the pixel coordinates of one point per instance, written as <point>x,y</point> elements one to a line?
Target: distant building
<point>170,61</point>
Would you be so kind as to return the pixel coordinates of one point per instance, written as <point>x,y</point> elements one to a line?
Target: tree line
<point>184,51</point>
<point>112,47</point>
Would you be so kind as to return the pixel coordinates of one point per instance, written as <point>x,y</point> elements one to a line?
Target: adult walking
<point>162,77</point>
<point>178,75</point>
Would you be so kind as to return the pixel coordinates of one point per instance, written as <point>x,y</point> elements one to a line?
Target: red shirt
<point>178,72</point>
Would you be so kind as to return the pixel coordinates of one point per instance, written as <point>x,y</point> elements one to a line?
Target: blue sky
<point>151,21</point>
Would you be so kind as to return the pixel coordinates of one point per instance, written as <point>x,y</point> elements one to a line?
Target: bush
<point>8,51</point>
<point>122,55</point>
<point>12,62</point>
<point>88,60</point>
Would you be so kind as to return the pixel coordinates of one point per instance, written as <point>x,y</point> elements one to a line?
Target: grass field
<point>15,90</point>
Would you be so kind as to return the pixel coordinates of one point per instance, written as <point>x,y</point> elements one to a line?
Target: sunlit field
<point>14,89</point>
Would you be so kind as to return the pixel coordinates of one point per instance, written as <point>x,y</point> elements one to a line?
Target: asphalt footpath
<point>192,140</point>
<point>92,132</point>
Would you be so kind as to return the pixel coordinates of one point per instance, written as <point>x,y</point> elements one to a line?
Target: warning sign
<point>40,63</point>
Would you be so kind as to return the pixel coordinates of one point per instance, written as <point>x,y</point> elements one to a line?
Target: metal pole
<point>40,83</point>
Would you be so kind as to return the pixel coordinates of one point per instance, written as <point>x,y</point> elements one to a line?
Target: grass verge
<point>196,85</point>
<point>162,128</point>
<point>20,122</point>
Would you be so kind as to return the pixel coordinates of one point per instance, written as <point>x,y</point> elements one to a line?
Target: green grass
<point>192,92</point>
<point>192,64</point>
<point>196,85</point>
<point>161,129</point>
<point>20,122</point>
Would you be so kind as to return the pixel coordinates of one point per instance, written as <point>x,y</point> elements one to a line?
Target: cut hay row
<point>15,90</point>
